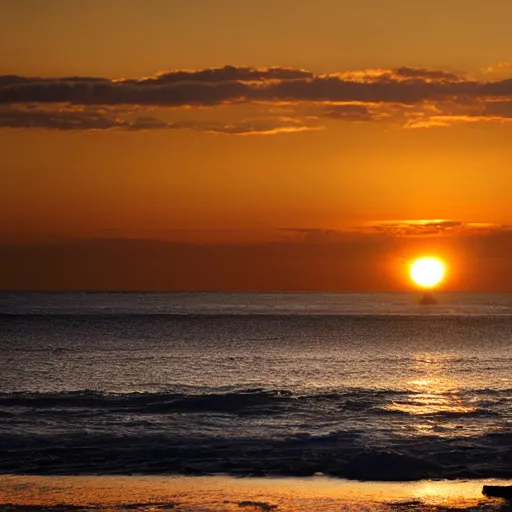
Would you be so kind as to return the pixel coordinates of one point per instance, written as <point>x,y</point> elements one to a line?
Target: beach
<point>221,493</point>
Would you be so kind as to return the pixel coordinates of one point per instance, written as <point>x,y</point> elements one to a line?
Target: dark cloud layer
<point>427,74</point>
<point>314,260</point>
<point>414,97</point>
<point>236,84</point>
<point>224,74</point>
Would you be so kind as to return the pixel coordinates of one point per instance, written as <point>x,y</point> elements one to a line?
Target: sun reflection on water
<point>459,494</point>
<point>433,397</point>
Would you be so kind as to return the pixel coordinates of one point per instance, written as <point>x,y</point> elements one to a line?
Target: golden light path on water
<point>220,493</point>
<point>432,391</point>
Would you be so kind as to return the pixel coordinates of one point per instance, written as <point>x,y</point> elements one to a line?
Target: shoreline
<point>226,493</point>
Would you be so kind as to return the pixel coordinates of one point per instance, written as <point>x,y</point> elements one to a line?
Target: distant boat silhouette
<point>428,299</point>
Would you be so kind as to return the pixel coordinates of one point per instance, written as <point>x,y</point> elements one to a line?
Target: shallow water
<point>360,386</point>
<point>223,494</point>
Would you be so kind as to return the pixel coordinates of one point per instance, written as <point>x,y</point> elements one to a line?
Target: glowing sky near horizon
<point>336,121</point>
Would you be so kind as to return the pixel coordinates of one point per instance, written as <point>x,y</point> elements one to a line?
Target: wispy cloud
<point>500,67</point>
<point>444,228</point>
<point>433,227</point>
<point>73,119</point>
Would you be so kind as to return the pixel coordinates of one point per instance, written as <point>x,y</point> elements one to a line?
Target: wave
<point>259,400</point>
<point>340,455</point>
<point>350,433</point>
<point>146,402</point>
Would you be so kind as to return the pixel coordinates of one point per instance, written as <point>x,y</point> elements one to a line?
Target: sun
<point>427,272</point>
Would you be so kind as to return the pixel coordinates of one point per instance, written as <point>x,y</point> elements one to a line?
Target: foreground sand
<point>222,493</point>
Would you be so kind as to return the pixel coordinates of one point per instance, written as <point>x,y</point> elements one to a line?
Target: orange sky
<point>192,144</point>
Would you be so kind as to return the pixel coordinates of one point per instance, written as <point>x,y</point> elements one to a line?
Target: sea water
<point>359,386</point>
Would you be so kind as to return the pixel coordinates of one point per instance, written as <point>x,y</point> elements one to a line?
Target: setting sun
<point>427,272</point>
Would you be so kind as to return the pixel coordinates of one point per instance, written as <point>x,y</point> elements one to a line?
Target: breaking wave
<point>353,433</point>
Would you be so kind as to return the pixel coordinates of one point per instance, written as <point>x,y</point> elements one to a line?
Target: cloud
<point>244,84</point>
<point>498,68</point>
<point>315,259</point>
<point>224,74</point>
<point>392,228</point>
<point>401,74</point>
<point>351,112</point>
<point>444,121</point>
<point>429,75</point>
<point>499,108</point>
<point>148,123</point>
<point>83,120</point>
<point>459,111</point>
<point>263,127</point>
<point>433,227</point>
<point>67,120</point>
<point>412,96</point>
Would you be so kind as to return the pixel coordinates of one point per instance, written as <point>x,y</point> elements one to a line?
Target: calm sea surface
<point>361,386</point>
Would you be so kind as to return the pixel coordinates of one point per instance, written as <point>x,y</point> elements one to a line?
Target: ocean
<point>354,386</point>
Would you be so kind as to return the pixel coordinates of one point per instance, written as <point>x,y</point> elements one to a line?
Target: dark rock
<point>498,491</point>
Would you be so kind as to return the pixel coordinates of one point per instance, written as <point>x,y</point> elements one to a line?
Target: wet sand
<point>222,493</point>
